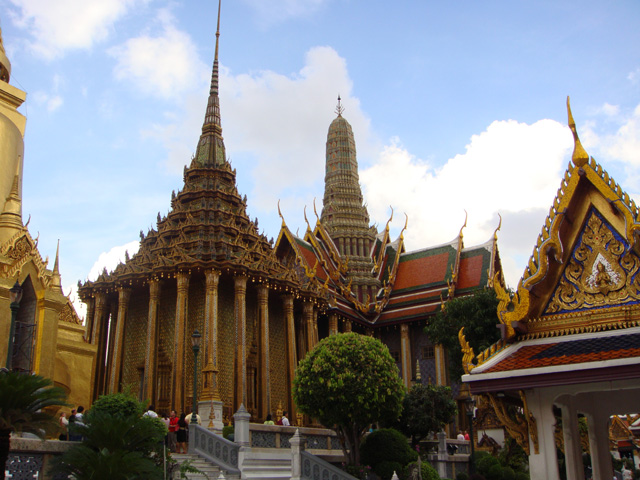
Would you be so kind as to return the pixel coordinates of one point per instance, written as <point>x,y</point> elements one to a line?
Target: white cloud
<point>511,168</point>
<point>112,258</point>
<point>60,25</point>
<point>634,76</point>
<point>165,66</point>
<point>52,101</point>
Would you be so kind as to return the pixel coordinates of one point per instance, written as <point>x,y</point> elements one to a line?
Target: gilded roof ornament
<point>580,156</point>
<point>495,233</point>
<point>5,64</point>
<point>339,108</point>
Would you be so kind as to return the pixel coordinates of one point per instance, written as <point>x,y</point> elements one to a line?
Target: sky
<point>458,109</point>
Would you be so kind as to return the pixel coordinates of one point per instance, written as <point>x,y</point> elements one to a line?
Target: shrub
<point>522,476</point>
<point>462,476</point>
<point>484,463</point>
<point>428,472</point>
<point>227,430</point>
<point>385,469</point>
<point>389,445</point>
<point>508,473</point>
<point>118,404</point>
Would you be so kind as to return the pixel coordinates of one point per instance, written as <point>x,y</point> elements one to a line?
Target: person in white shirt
<point>285,420</point>
<point>150,412</point>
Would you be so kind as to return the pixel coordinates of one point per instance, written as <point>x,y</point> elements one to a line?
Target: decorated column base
<point>212,422</point>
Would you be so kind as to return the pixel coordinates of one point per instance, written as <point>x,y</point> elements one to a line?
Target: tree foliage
<point>386,450</point>
<point>118,443</point>
<point>477,314</point>
<point>347,382</point>
<point>24,404</point>
<point>426,408</point>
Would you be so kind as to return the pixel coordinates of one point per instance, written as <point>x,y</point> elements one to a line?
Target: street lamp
<point>15,295</point>
<point>195,344</point>
<point>470,406</point>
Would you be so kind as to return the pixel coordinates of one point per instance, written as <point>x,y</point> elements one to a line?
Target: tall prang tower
<point>344,215</point>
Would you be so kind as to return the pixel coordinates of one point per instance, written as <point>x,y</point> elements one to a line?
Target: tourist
<point>189,415</point>
<point>64,425</point>
<point>173,431</point>
<point>269,420</point>
<point>165,420</point>
<point>466,436</point>
<point>182,434</point>
<point>460,435</point>
<point>150,412</point>
<point>285,420</point>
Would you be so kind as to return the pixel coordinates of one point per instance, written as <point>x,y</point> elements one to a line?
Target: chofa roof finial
<point>580,156</point>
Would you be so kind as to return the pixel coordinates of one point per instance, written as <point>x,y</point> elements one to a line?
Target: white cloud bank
<point>60,25</point>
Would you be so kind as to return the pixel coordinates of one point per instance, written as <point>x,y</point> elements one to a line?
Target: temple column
<point>124,294</point>
<point>333,324</point>
<point>110,330</point>
<point>179,379</point>
<point>441,365</point>
<point>151,354</point>
<point>292,360</point>
<point>91,306</point>
<point>98,339</point>
<point>241,340</point>
<point>571,438</point>
<point>264,375</point>
<point>210,405</point>
<point>405,355</point>
<point>598,428</point>
<point>316,337</point>
<point>307,319</point>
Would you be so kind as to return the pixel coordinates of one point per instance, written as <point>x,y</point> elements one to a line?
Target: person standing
<point>64,425</point>
<point>173,431</point>
<point>182,434</point>
<point>150,412</point>
<point>285,420</point>
<point>269,420</point>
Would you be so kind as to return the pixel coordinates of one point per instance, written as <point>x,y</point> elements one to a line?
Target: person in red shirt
<point>173,431</point>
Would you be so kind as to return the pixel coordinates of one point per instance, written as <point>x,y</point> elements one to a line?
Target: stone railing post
<point>241,429</point>
<point>443,455</point>
<point>297,446</point>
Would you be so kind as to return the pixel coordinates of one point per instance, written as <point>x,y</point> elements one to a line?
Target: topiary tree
<point>121,404</point>
<point>24,400</point>
<point>425,409</point>
<point>384,450</point>
<point>347,382</point>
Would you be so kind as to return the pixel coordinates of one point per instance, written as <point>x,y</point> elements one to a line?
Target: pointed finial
<point>580,156</point>
<point>5,64</point>
<point>56,281</point>
<point>214,78</point>
<point>466,217</point>
<point>339,108</point>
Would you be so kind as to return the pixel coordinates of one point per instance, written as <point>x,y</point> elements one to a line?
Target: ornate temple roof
<point>577,303</point>
<point>208,225</point>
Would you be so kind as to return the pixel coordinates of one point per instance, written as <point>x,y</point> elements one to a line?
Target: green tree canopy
<point>347,382</point>
<point>477,313</point>
<point>426,408</point>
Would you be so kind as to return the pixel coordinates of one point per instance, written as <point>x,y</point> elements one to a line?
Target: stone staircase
<point>211,471</point>
<point>260,464</point>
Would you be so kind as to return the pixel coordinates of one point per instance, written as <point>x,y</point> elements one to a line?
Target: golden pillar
<point>333,323</point>
<point>240,286</point>
<point>118,348</point>
<point>441,365</point>
<point>405,354</point>
<point>264,377</point>
<point>151,354</point>
<point>91,305</point>
<point>291,346</point>
<point>48,311</point>
<point>210,370</point>
<point>110,330</point>
<point>97,338</point>
<point>307,318</point>
<point>316,338</point>
<point>179,378</point>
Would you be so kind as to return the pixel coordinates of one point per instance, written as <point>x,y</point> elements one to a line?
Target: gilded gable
<point>601,272</point>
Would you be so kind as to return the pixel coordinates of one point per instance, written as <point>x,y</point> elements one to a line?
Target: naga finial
<point>280,214</point>
<point>467,352</point>
<point>314,209</point>
<point>580,156</point>
<point>466,217</point>
<point>495,233</point>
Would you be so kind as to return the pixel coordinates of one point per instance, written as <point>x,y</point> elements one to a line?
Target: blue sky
<point>455,106</point>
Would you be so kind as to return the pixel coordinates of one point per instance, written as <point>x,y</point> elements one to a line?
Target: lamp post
<point>195,344</point>
<point>15,295</point>
<point>470,405</point>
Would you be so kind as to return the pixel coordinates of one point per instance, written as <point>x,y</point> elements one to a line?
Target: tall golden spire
<point>5,64</point>
<point>211,151</point>
<point>580,156</point>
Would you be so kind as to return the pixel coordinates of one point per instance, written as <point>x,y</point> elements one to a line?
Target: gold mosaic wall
<point>167,316</point>
<point>277,352</point>
<point>195,320</point>
<point>135,339</point>
<point>226,339</point>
